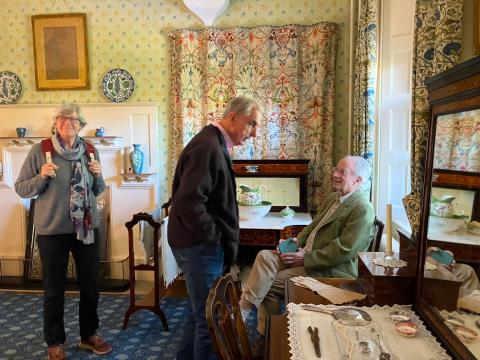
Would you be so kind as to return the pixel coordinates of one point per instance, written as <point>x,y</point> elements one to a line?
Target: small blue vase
<point>136,159</point>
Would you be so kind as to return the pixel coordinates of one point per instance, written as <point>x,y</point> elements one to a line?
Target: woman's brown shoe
<point>56,352</point>
<point>96,344</point>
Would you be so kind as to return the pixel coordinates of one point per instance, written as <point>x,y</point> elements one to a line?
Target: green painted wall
<point>133,35</point>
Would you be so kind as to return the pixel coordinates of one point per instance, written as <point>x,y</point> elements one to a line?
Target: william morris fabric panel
<point>289,70</point>
<point>438,35</point>
<point>457,141</point>
<point>365,81</point>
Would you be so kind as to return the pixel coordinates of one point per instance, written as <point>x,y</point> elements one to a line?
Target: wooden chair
<point>377,239</point>
<point>152,300</point>
<point>291,231</point>
<point>227,329</point>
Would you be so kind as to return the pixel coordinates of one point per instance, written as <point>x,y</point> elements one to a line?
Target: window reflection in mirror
<point>453,246</point>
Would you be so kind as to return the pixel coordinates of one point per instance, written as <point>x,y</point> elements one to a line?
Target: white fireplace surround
<point>124,125</point>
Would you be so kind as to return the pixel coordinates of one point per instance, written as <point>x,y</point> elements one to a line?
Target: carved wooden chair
<point>291,231</point>
<point>377,239</point>
<point>152,300</point>
<point>227,329</point>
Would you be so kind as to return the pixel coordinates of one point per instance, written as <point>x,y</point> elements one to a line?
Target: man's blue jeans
<point>201,265</point>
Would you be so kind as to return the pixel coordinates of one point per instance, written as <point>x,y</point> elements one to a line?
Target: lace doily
<point>389,262</point>
<point>469,319</point>
<point>424,341</point>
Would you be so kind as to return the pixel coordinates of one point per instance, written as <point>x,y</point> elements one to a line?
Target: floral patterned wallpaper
<point>133,35</point>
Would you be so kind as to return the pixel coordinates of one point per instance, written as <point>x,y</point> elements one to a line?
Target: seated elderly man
<point>327,247</point>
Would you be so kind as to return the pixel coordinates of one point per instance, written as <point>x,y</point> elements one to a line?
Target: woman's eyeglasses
<point>71,119</point>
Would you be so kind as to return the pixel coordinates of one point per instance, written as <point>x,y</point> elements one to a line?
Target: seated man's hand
<point>431,260</point>
<point>280,241</point>
<point>293,259</point>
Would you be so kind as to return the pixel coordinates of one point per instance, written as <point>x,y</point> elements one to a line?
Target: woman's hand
<point>48,170</point>
<point>95,168</point>
<point>293,259</point>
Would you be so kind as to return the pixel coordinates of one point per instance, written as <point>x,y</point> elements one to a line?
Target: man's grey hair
<point>362,169</point>
<point>67,109</point>
<point>241,105</point>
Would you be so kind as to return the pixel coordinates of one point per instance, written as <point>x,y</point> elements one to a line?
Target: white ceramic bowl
<point>444,225</point>
<point>253,212</point>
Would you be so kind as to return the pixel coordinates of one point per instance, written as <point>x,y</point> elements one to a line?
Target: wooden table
<point>386,286</point>
<point>276,338</point>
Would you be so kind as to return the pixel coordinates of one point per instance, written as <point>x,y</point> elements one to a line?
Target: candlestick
<point>388,249</point>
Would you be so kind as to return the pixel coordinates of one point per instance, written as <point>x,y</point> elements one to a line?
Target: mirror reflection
<point>453,239</point>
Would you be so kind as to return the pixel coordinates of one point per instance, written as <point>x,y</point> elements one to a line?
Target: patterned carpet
<point>21,328</point>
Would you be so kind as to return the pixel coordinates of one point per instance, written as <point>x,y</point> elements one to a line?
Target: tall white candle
<point>389,229</point>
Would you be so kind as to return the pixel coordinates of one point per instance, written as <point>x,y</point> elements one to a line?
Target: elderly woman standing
<point>65,174</point>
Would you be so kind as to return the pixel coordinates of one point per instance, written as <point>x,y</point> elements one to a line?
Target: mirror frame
<point>446,95</point>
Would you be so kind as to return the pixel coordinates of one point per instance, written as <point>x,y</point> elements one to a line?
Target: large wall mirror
<point>449,293</point>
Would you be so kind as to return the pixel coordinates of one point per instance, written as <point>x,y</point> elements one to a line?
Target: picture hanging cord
<point>70,8</point>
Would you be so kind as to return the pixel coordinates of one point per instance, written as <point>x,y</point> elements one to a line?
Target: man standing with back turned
<point>203,229</point>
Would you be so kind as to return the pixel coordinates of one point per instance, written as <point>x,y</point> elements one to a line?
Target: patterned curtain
<point>365,79</point>
<point>289,70</point>
<point>436,48</point>
<point>437,42</point>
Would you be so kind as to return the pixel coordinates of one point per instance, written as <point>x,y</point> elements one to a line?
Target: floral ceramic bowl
<point>254,212</point>
<point>406,328</point>
<point>397,316</point>
<point>444,225</point>
<point>465,333</point>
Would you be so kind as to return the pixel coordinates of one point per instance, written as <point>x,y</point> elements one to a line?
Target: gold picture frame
<point>60,51</point>
<point>476,27</point>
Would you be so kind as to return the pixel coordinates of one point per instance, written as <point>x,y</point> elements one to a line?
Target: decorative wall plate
<point>10,87</point>
<point>118,85</point>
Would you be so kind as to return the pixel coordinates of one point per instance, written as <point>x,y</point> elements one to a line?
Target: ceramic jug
<point>442,206</point>
<point>251,196</point>
<point>99,132</point>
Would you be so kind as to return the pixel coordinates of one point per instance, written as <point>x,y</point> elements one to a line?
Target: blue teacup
<point>100,131</point>
<point>21,131</point>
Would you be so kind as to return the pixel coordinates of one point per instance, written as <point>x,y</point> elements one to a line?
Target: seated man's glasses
<point>71,119</point>
<point>343,172</point>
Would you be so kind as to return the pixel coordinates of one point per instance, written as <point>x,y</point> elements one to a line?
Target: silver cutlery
<point>376,338</point>
<point>349,316</point>
<point>315,340</point>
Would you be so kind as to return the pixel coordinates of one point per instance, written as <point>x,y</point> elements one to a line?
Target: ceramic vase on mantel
<point>136,159</point>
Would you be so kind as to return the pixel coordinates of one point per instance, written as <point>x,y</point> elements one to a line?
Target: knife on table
<point>315,340</point>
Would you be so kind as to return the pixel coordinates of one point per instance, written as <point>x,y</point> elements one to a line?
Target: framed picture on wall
<point>476,27</point>
<point>60,51</point>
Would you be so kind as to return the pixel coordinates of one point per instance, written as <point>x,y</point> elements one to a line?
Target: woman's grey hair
<point>241,105</point>
<point>67,109</point>
<point>362,169</point>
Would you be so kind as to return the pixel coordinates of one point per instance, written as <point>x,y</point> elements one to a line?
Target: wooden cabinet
<point>286,184</point>
<point>386,286</point>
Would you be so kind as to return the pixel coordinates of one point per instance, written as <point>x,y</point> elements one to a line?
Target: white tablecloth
<point>421,347</point>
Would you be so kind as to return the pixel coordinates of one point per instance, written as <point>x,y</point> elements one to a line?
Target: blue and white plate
<point>10,87</point>
<point>118,85</point>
